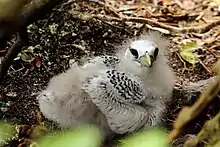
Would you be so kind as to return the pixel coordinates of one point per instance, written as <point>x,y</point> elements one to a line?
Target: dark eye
<point>134,52</point>
<point>156,51</point>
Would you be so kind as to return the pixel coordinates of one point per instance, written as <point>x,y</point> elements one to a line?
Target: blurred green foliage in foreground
<point>83,136</point>
<point>150,138</point>
<point>90,136</point>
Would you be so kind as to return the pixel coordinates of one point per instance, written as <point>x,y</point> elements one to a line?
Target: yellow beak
<point>145,60</point>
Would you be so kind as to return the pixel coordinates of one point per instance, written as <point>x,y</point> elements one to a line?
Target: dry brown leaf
<point>186,4</point>
<point>167,2</point>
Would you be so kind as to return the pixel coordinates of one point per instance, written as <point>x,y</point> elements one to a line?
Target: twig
<point>171,17</point>
<point>14,71</point>
<point>198,29</point>
<point>168,17</point>
<point>205,67</point>
<point>130,8</point>
<point>12,53</point>
<point>184,63</point>
<point>109,7</point>
<point>118,27</point>
<point>214,46</point>
<point>214,54</point>
<point>80,47</point>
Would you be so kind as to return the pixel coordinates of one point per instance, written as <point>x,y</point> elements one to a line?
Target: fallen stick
<point>22,40</point>
<point>196,29</point>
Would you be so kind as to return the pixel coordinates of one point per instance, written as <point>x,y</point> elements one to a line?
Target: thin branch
<point>198,29</point>
<point>22,40</point>
<point>109,7</point>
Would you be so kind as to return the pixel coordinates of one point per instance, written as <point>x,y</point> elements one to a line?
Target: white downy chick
<point>153,70</point>
<point>120,94</point>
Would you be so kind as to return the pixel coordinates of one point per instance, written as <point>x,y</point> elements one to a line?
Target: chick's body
<point>117,93</point>
<point>66,103</point>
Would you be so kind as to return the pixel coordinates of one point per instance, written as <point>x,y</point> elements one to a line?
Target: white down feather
<point>67,101</point>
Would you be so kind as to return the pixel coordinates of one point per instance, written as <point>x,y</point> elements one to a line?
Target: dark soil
<point>58,39</point>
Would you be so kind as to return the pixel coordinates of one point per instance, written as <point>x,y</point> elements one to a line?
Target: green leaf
<point>186,52</point>
<point>6,132</point>
<point>30,49</point>
<point>25,57</point>
<point>18,57</point>
<point>84,136</point>
<point>150,138</point>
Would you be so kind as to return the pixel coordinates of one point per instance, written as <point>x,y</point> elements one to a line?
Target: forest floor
<point>72,31</point>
